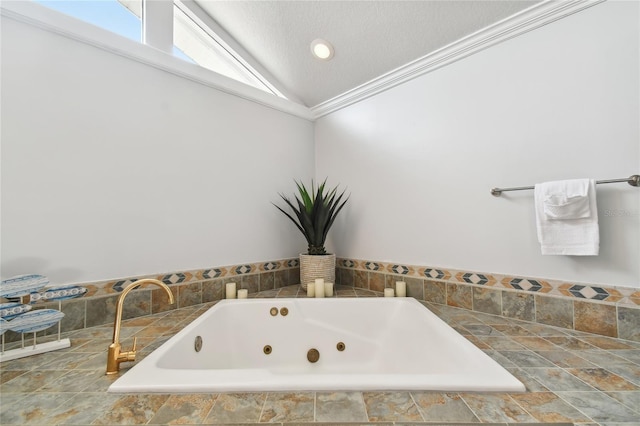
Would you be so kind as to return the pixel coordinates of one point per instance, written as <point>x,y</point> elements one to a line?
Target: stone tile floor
<point>571,377</point>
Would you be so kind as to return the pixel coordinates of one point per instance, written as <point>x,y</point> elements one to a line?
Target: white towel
<point>567,217</point>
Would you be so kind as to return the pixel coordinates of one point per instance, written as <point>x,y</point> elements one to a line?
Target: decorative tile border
<point>103,288</point>
<point>346,263</point>
<point>435,274</point>
<point>401,270</point>
<point>372,266</point>
<point>620,296</point>
<point>591,292</point>
<point>269,266</point>
<point>118,286</point>
<point>473,278</point>
<point>208,274</point>
<point>524,284</point>
<point>586,292</point>
<point>176,279</point>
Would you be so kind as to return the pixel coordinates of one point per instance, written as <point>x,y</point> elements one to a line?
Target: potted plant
<point>313,214</point>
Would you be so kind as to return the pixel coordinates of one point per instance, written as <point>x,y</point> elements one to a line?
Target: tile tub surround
<point>571,378</point>
<point>607,311</point>
<point>597,309</point>
<point>189,288</point>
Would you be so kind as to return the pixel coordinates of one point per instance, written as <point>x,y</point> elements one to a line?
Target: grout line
<point>468,406</point>
<point>576,408</point>
<point>417,406</point>
<point>522,408</point>
<point>617,321</point>
<point>315,405</point>
<point>264,404</point>
<point>206,416</point>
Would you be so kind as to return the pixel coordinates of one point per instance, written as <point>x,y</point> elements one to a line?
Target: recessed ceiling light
<point>322,49</point>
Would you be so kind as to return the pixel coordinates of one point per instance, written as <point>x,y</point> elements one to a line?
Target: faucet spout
<point>115,356</point>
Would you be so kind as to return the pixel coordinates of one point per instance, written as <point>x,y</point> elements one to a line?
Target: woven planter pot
<point>317,266</point>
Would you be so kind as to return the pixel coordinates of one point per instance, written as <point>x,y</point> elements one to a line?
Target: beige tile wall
<point>97,306</point>
<point>608,311</point>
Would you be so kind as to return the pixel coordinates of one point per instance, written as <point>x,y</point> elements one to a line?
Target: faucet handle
<point>128,356</point>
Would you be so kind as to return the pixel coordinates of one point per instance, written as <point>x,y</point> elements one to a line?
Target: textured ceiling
<point>370,38</point>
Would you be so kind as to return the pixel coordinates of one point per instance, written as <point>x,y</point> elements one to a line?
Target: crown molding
<point>521,23</point>
<point>41,17</point>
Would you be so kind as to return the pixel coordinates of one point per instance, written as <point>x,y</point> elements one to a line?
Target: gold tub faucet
<point>115,356</point>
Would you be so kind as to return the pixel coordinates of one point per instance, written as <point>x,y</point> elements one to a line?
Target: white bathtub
<point>389,344</point>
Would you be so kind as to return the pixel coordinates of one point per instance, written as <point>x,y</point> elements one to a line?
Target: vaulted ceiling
<point>370,38</point>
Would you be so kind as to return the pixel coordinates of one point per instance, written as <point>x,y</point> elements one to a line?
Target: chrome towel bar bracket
<point>633,180</point>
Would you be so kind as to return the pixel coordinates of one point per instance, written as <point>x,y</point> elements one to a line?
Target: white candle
<point>401,289</point>
<point>319,285</point>
<point>328,289</point>
<point>231,290</point>
<point>388,292</point>
<point>320,280</point>
<point>243,293</point>
<point>311,290</point>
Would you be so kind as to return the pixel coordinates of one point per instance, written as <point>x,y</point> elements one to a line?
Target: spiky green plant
<point>314,213</point>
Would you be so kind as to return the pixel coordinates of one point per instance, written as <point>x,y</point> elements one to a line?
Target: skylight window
<point>111,15</point>
<point>193,41</point>
<point>197,43</point>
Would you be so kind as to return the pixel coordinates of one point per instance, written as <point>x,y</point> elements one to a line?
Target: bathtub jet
<point>317,345</point>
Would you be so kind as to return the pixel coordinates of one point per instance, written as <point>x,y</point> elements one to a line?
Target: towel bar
<point>633,180</point>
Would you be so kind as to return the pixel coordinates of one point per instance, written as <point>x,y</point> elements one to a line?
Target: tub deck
<point>571,377</point>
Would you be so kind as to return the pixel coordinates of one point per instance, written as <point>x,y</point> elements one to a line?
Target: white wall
<point>112,168</point>
<point>420,159</point>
